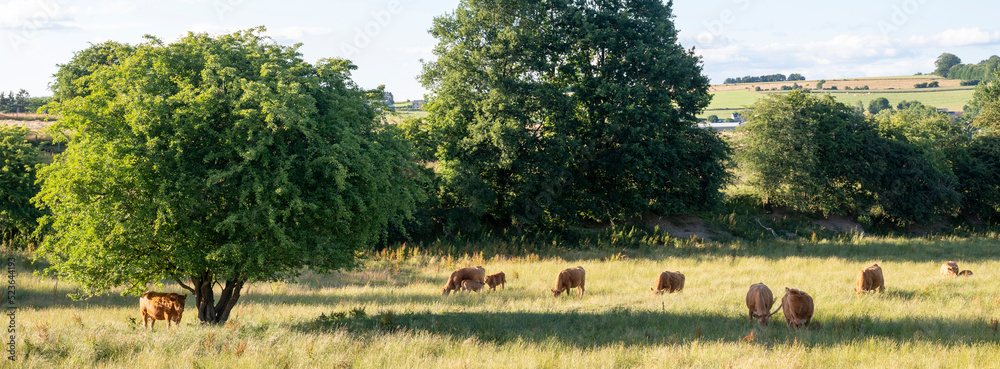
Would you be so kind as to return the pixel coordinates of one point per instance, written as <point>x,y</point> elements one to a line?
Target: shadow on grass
<point>622,326</point>
<point>935,250</point>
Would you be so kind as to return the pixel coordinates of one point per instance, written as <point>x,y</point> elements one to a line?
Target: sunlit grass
<point>390,313</point>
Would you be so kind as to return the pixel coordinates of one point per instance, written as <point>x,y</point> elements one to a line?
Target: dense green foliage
<point>548,112</point>
<point>216,160</point>
<point>18,217</point>
<point>986,104</point>
<point>982,71</point>
<point>814,154</point>
<point>944,63</point>
<point>878,104</point>
<point>806,152</point>
<point>768,78</point>
<point>22,102</point>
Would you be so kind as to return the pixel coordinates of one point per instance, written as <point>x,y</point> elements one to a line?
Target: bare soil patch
<point>680,226</point>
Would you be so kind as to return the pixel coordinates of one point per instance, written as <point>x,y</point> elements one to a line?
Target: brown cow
<point>965,273</point>
<point>759,302</point>
<point>161,306</point>
<point>797,307</point>
<point>949,269</point>
<point>495,280</point>
<point>869,279</point>
<point>471,285</point>
<point>668,281</point>
<point>477,274</point>
<point>570,278</point>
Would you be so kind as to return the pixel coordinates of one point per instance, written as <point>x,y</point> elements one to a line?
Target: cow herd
<point>797,306</point>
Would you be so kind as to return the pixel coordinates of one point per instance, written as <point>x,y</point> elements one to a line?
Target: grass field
<point>391,314</point>
<point>954,98</point>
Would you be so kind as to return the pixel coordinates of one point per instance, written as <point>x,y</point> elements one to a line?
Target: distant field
<point>732,98</point>
<point>874,83</point>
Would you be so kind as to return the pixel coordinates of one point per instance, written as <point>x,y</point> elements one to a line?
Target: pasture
<point>727,99</point>
<point>390,313</point>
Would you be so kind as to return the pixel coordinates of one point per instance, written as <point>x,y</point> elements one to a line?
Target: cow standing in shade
<point>759,302</point>
<point>797,307</point>
<point>161,306</point>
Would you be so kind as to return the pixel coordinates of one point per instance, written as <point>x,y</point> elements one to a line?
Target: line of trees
<point>950,66</point>
<point>913,165</point>
<point>22,102</point>
<point>767,78</point>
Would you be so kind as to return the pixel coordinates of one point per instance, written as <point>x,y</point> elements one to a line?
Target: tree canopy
<point>815,154</point>
<point>215,159</point>
<point>18,217</point>
<point>549,111</point>
<point>944,63</point>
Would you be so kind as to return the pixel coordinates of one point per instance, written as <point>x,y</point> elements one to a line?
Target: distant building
<point>419,104</point>
<point>737,117</point>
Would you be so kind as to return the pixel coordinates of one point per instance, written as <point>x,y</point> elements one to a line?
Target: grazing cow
<point>869,279</point>
<point>797,307</point>
<point>668,281</point>
<point>477,274</point>
<point>570,278</point>
<point>495,280</point>
<point>759,302</point>
<point>965,273</point>
<point>471,285</point>
<point>161,306</point>
<point>949,269</point>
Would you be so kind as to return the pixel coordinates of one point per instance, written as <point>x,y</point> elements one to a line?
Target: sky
<point>386,39</point>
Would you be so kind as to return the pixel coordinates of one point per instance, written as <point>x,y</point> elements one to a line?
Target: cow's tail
<point>775,310</point>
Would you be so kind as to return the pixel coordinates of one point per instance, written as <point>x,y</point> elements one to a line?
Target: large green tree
<point>815,154</point>
<point>986,102</point>
<point>549,111</point>
<point>18,158</point>
<point>216,161</point>
<point>944,63</point>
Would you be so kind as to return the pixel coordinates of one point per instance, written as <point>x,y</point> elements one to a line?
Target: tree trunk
<point>210,312</point>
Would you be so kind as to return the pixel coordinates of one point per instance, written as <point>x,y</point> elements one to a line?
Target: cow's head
<point>762,319</point>
<point>178,301</point>
<point>654,291</point>
<point>555,293</point>
<point>445,291</point>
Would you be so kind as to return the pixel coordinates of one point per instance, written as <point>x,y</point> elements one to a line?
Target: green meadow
<point>390,312</point>
<point>724,103</point>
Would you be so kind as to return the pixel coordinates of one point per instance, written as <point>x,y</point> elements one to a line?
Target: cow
<point>495,280</point>
<point>161,306</point>
<point>668,281</point>
<point>965,273</point>
<point>949,269</point>
<point>472,285</point>
<point>477,274</point>
<point>797,307</point>
<point>759,302</point>
<point>570,278</point>
<point>869,279</point>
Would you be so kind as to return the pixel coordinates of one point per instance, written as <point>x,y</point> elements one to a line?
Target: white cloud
<point>957,37</point>
<point>34,14</point>
<point>299,33</point>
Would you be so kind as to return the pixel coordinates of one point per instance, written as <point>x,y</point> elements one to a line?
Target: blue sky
<point>387,38</point>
